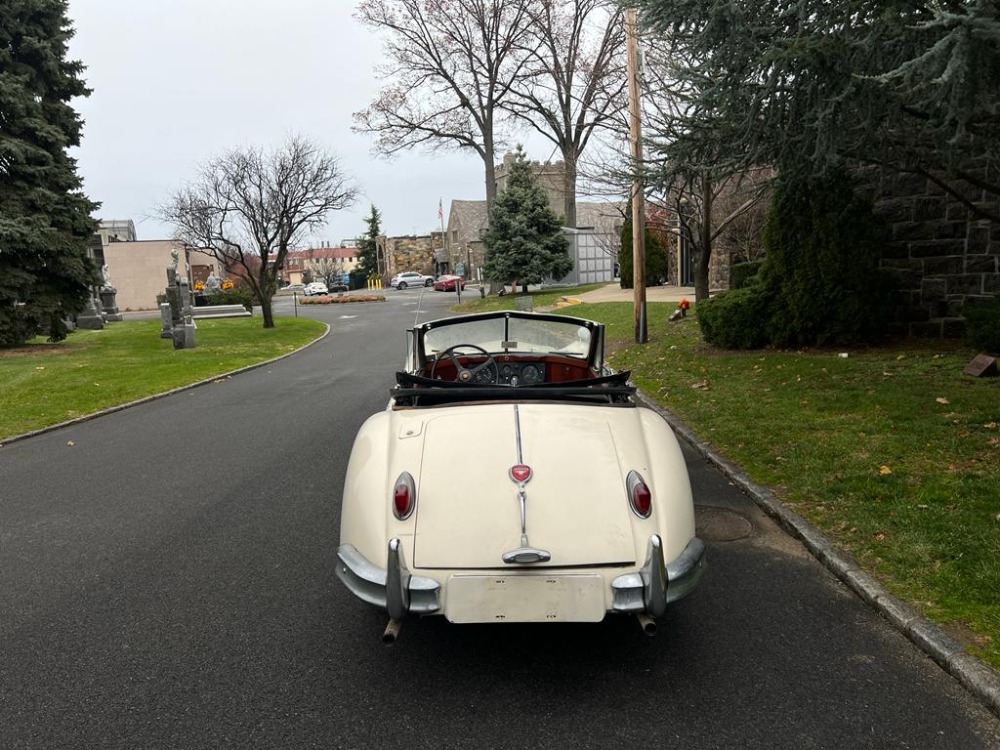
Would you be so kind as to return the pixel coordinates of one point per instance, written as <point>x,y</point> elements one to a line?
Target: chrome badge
<point>520,473</point>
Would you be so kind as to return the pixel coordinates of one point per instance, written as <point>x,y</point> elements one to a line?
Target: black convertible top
<point>416,390</point>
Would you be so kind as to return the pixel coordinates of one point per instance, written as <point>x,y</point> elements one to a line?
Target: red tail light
<point>404,496</point>
<point>639,496</point>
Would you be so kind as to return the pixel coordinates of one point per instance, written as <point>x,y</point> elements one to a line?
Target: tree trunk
<point>701,288</point>
<point>569,188</point>
<point>267,311</point>
<point>491,196</point>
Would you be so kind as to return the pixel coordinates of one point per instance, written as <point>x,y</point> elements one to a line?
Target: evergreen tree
<point>525,241</point>
<point>368,246</point>
<point>909,85</point>
<point>655,254</point>
<point>45,219</point>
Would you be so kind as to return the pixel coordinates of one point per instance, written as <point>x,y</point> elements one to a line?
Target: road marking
<point>347,317</point>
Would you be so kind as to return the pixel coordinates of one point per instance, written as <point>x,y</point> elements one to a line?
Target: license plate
<point>525,598</point>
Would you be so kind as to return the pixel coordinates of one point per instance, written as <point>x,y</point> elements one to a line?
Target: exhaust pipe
<point>391,632</point>
<point>647,623</point>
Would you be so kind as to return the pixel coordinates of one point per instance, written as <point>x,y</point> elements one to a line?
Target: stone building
<point>944,257</point>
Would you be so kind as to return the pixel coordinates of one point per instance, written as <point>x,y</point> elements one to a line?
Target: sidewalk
<point>614,293</point>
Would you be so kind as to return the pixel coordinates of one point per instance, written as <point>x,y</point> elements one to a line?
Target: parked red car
<point>446,283</point>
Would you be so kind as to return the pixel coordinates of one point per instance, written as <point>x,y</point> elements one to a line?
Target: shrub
<point>741,274</point>
<point>821,272</point>
<point>982,326</point>
<point>234,296</point>
<point>737,319</point>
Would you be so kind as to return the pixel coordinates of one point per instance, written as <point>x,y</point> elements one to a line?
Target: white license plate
<point>525,598</point>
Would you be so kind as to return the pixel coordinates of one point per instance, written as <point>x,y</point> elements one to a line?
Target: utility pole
<point>638,202</point>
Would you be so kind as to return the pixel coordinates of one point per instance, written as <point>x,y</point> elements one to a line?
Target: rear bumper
<point>394,589</point>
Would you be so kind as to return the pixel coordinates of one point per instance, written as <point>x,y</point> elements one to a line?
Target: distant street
<point>166,581</point>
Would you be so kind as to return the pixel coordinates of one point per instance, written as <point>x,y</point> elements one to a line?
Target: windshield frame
<point>593,353</point>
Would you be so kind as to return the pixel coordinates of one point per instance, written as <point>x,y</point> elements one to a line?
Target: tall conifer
<point>45,219</point>
<point>525,241</point>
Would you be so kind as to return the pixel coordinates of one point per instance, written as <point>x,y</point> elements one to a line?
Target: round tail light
<point>639,496</point>
<point>404,496</point>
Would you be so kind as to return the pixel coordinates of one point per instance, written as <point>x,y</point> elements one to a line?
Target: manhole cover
<point>721,525</point>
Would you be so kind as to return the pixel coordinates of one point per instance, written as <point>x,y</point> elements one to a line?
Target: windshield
<point>512,335</point>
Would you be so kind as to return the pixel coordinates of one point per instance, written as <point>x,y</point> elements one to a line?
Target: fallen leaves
<point>942,400</point>
<point>884,470</point>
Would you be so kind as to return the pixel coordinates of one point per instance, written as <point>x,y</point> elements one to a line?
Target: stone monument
<point>178,296</point>
<point>108,292</point>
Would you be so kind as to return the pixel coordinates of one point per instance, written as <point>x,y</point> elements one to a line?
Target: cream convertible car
<point>513,478</point>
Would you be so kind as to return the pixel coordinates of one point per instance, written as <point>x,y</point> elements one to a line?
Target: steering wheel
<point>468,375</point>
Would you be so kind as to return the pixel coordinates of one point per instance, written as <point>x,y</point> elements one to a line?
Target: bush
<point>741,274</point>
<point>737,319</point>
<point>235,296</point>
<point>982,326</point>
<point>821,272</point>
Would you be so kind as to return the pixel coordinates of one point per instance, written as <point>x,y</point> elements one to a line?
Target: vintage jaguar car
<point>515,478</point>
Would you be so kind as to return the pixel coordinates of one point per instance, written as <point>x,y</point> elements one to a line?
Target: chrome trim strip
<point>369,582</point>
<point>641,591</point>
<point>525,554</point>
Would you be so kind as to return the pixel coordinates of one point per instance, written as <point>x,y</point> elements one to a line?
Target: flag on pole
<point>440,209</point>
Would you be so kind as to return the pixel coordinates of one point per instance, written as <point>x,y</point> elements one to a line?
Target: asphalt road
<point>166,581</point>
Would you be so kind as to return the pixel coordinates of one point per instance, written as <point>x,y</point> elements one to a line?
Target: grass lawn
<point>893,452</point>
<point>44,384</point>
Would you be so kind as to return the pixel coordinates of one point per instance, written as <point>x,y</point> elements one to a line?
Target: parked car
<point>514,478</point>
<point>316,287</point>
<point>410,278</point>
<point>293,288</point>
<point>338,287</point>
<point>447,282</point>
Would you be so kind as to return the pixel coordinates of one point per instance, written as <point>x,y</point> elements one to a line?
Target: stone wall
<point>413,253</point>
<point>944,257</point>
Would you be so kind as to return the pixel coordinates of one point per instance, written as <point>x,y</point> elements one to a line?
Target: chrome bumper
<point>392,588</point>
<point>397,591</point>
<point>657,584</point>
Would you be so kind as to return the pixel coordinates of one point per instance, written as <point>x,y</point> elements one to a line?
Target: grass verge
<point>45,384</point>
<point>891,451</point>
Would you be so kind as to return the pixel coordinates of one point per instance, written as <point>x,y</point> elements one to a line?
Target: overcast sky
<point>176,82</point>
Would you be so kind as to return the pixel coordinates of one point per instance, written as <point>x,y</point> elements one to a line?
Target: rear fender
<point>669,483</point>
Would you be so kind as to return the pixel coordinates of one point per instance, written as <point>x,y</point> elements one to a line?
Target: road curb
<point>155,396</point>
<point>975,675</point>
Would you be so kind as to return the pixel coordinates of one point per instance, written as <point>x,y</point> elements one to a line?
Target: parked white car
<point>514,478</point>
<point>316,287</point>
<point>410,278</point>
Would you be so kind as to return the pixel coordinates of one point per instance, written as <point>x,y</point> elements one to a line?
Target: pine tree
<point>45,219</point>
<point>525,241</point>
<point>368,246</point>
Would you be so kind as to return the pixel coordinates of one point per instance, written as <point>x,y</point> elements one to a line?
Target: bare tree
<point>706,198</point>
<point>451,64</point>
<point>575,82</point>
<point>331,270</point>
<point>248,207</point>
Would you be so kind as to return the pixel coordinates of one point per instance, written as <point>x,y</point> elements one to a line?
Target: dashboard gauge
<point>506,372</point>
<point>531,374</point>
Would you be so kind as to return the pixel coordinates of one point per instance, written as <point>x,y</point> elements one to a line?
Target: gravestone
<point>178,300</point>
<point>982,366</point>
<point>91,317</point>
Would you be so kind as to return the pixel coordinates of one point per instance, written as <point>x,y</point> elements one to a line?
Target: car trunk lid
<point>468,512</point>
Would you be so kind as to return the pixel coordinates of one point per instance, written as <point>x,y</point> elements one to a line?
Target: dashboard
<point>521,373</point>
